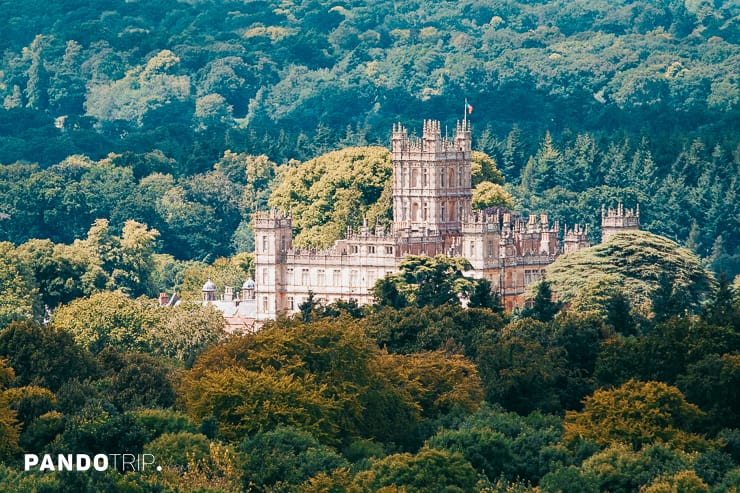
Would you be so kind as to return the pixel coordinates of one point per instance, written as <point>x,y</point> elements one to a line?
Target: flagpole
<point>465,112</point>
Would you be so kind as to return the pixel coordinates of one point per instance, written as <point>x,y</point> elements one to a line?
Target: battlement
<point>620,219</point>
<point>575,238</point>
<point>431,141</point>
<point>272,218</point>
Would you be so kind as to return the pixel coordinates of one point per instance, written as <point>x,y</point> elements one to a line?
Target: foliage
<point>44,356</point>
<point>635,414</point>
<point>328,194</point>
<point>431,328</point>
<point>429,469</point>
<point>326,378</point>
<point>135,380</point>
<point>282,459</point>
<point>18,291</point>
<point>108,319</point>
<point>424,281</point>
<point>637,260</point>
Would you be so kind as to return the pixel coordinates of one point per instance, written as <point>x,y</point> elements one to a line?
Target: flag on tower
<point>469,107</point>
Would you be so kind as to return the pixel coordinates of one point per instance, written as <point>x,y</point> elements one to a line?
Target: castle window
<point>290,275</point>
<point>354,249</point>
<point>291,303</point>
<point>354,278</point>
<point>371,277</point>
<point>443,211</point>
<point>452,213</point>
<point>414,178</point>
<point>371,249</point>
<point>337,278</point>
<point>415,212</point>
<point>424,178</point>
<point>452,176</point>
<point>389,250</point>
<point>442,178</point>
<point>472,248</point>
<point>282,243</point>
<point>304,277</point>
<point>264,276</point>
<point>459,211</point>
<point>490,248</point>
<point>424,212</point>
<point>459,178</point>
<point>320,277</point>
<point>264,304</point>
<point>264,243</point>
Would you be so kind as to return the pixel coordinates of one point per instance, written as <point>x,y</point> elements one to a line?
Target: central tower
<point>431,178</point>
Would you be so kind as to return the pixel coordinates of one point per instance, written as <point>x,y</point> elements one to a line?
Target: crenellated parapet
<point>620,219</point>
<point>431,144</point>
<point>575,238</point>
<point>272,218</point>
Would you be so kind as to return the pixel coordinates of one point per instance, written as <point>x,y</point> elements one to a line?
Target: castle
<point>432,215</point>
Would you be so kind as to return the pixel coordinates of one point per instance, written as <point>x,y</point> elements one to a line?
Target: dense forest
<point>137,139</point>
<point>164,112</point>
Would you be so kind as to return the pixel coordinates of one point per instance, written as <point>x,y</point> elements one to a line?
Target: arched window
<point>414,178</point>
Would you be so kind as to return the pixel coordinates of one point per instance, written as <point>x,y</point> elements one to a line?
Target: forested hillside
<point>577,102</point>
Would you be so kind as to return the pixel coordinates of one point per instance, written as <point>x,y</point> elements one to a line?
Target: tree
<point>285,457</point>
<point>428,470</point>
<point>721,309</point>
<point>637,259</point>
<point>520,369</point>
<point>543,307</point>
<point>9,426</point>
<point>44,356</point>
<point>135,380</point>
<point>327,194</point>
<point>18,293</point>
<point>487,194</point>
<point>108,319</point>
<point>637,414</point>
<point>426,281</point>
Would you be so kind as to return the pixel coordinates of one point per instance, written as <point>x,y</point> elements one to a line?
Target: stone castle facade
<point>432,215</point>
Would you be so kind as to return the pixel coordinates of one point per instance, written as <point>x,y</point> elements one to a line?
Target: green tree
<point>426,281</point>
<point>428,470</point>
<point>284,458</point>
<point>135,380</point>
<point>543,307</point>
<point>108,319</point>
<point>44,356</point>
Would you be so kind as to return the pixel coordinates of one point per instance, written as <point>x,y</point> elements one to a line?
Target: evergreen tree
<point>543,307</point>
<point>721,310</point>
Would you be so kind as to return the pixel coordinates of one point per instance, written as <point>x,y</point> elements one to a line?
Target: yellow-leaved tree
<point>637,414</point>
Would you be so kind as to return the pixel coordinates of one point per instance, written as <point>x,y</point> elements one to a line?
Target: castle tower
<point>431,178</point>
<point>614,221</point>
<point>273,237</point>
